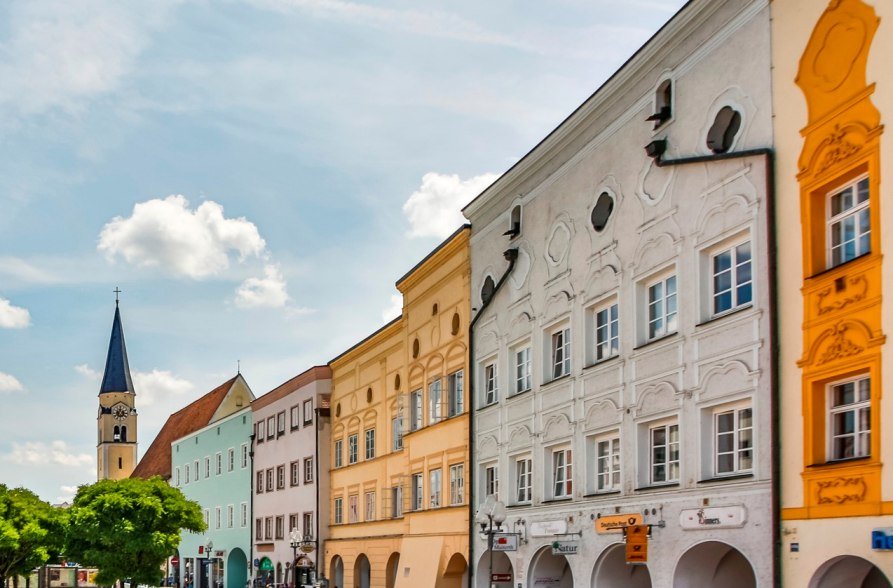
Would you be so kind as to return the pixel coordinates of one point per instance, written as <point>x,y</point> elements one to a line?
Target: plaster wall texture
<point>665,221</point>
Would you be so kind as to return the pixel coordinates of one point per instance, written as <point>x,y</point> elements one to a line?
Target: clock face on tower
<point>120,412</point>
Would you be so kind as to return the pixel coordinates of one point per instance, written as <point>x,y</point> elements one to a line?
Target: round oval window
<point>725,126</point>
<point>601,212</point>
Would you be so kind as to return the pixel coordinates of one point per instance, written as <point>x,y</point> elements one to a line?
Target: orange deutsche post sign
<point>637,544</point>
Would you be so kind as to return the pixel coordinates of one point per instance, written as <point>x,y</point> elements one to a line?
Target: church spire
<point>117,369</point>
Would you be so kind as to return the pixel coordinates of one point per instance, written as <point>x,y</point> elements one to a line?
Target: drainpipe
<point>251,523</point>
<point>511,255</point>
<point>774,391</point>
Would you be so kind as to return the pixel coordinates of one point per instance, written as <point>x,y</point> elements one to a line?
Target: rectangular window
<point>230,516</point>
<point>260,432</point>
<point>456,391</point>
<point>734,441</point>
<point>292,523</point>
<point>418,492</point>
<point>732,278</point>
<point>396,502</point>
<point>457,483</point>
<point>280,424</point>
<point>280,527</point>
<point>435,487</point>
<point>271,427</point>
<point>491,481</point>
<point>186,472</point>
<point>523,479</point>
<point>607,463</point>
<point>177,476</point>
<point>849,223</point>
<point>339,451</point>
<point>196,470</point>
<point>308,470</point>
<point>607,332</point>
<point>259,529</point>
<point>259,486</point>
<point>230,459</point>
<point>207,516</point>
<point>352,450</point>
<point>353,508</point>
<point>268,528</point>
<point>415,410</point>
<point>218,518</point>
<point>522,370</point>
<point>270,480</point>
<point>280,477</point>
<point>397,432</point>
<point>435,401</point>
<point>307,524</point>
<point>207,467</point>
<point>244,514</point>
<point>338,510</point>
<point>244,455</point>
<point>664,445</point>
<point>491,392</point>
<point>295,471</point>
<point>219,463</point>
<point>849,418</point>
<point>370,443</point>
<point>294,415</point>
<point>561,352</point>
<point>562,473</point>
<point>308,412</point>
<point>662,307</point>
<point>370,507</point>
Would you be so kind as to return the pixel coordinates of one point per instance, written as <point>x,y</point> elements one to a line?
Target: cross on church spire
<point>117,291</point>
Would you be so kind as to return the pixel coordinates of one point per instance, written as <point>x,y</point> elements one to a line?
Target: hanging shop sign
<point>616,523</point>
<point>565,547</point>
<point>500,577</point>
<point>637,544</point>
<point>882,539</point>
<point>505,542</point>
<point>547,528</point>
<point>713,517</point>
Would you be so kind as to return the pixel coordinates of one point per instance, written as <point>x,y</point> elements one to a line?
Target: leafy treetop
<point>31,532</point>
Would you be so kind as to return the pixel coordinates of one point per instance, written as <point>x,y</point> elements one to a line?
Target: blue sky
<point>254,175</point>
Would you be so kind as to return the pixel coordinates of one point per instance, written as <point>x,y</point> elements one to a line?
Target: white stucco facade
<point>685,404</point>
<point>290,466</point>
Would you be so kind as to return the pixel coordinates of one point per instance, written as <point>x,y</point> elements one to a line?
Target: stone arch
<point>602,280</point>
<point>391,570</point>
<point>726,378</point>
<point>434,363</point>
<point>713,563</point>
<point>547,570</point>
<point>488,446</point>
<point>846,338</point>
<point>498,561</point>
<point>362,572</point>
<point>487,339</point>
<point>336,571</point>
<point>520,436</point>
<point>601,413</point>
<point>612,571</point>
<point>656,397</point>
<point>723,216</point>
<point>455,572</point>
<point>655,251</point>
<point>416,377</point>
<point>556,425</point>
<point>846,571</point>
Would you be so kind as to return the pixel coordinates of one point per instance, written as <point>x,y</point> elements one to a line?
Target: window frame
<point>353,451</point>
<point>853,211</point>
<point>308,411</point>
<point>295,417</point>
<point>735,433</point>
<point>668,425</point>
<point>523,478</point>
<point>338,510</point>
<point>607,469</point>
<point>435,488</point>
<point>369,438</point>
<point>455,393</point>
<point>271,427</point>
<point>611,329</point>
<point>294,470</point>
<point>490,479</point>
<point>457,484</point>
<point>730,246</point>
<point>369,508</point>
<point>308,470</point>
<point>519,377</point>
<point>562,462</point>
<point>857,406</point>
<point>490,386</point>
<point>435,400</point>
<point>338,453</point>
<point>416,410</point>
<point>417,487</point>
<point>560,338</point>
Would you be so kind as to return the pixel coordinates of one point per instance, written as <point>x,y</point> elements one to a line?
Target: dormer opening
<point>514,222</point>
<point>663,103</point>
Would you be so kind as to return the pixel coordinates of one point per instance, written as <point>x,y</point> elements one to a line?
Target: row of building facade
<point>668,315</point>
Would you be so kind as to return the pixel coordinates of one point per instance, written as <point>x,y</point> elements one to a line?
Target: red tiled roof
<point>319,372</point>
<point>157,460</point>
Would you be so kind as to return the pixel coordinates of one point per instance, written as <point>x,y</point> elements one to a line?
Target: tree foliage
<point>31,532</point>
<point>127,528</point>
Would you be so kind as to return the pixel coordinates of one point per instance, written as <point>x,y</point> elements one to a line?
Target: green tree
<point>31,532</point>
<point>127,528</point>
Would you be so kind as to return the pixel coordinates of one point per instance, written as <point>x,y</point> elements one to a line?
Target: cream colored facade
<point>399,507</point>
<point>832,91</point>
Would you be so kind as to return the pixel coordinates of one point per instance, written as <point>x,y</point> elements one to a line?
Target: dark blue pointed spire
<point>117,370</point>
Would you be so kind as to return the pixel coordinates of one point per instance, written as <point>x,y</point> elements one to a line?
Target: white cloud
<point>394,310</point>
<point>152,388</point>
<point>55,452</point>
<point>268,291</point>
<point>69,490</point>
<point>13,317</point>
<point>434,210</point>
<point>169,235</point>
<point>9,383</point>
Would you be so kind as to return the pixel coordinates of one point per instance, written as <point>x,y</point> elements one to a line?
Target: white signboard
<point>547,528</point>
<point>505,542</point>
<point>565,547</point>
<point>713,517</point>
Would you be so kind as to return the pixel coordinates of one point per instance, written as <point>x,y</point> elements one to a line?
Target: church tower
<point>116,421</point>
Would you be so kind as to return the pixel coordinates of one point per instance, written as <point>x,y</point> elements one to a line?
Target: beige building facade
<point>399,443</point>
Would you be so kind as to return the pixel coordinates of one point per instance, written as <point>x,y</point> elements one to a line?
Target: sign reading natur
<point>565,547</point>
<point>616,523</point>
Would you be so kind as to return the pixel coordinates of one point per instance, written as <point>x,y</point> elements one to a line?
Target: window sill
<point>656,487</point>
<point>553,380</point>
<point>729,478</point>
<point>527,504</point>
<point>559,499</point>
<point>519,393</point>
<point>602,493</point>
<point>486,406</point>
<point>654,341</point>
<point>842,463</point>
<point>602,362</point>
<point>838,266</point>
<point>728,313</point>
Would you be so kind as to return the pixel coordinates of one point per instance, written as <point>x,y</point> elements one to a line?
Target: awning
<point>419,562</point>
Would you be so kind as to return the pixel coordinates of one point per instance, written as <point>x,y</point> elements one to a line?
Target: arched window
<point>123,433</point>
<point>601,212</point>
<point>514,222</point>
<point>663,103</point>
<point>117,433</point>
<point>722,133</point>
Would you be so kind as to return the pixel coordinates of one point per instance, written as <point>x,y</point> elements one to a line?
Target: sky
<point>254,175</point>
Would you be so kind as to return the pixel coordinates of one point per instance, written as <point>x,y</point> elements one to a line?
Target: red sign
<point>175,561</point>
<point>201,549</point>
<point>500,577</point>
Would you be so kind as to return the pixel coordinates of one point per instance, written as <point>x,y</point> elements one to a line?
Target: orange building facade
<point>399,444</point>
<point>832,85</point>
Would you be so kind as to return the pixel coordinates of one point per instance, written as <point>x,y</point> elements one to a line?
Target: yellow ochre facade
<point>832,92</point>
<point>399,444</point>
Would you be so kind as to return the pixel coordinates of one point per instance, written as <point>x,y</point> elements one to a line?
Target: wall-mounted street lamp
<point>208,547</point>
<point>490,517</point>
<point>307,544</point>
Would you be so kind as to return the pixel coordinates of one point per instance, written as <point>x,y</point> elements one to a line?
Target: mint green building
<point>212,466</point>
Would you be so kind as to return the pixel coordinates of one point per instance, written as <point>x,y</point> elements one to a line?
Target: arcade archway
<point>391,570</point>
<point>548,570</point>
<point>713,563</point>
<point>849,571</point>
<point>501,565</point>
<point>236,569</point>
<point>336,571</point>
<point>362,572</point>
<point>612,571</point>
